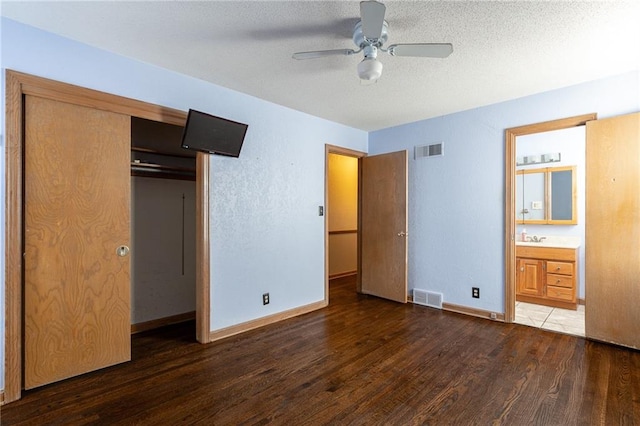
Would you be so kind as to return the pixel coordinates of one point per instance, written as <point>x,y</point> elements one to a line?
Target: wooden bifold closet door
<point>76,217</point>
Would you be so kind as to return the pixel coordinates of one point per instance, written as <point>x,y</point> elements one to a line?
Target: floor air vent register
<point>427,298</point>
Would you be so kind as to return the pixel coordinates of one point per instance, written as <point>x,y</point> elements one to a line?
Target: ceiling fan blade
<point>424,50</point>
<point>323,53</point>
<point>372,15</point>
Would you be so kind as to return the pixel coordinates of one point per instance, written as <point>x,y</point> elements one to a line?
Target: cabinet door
<point>529,277</point>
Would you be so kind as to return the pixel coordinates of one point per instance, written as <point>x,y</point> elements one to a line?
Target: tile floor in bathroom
<point>548,318</point>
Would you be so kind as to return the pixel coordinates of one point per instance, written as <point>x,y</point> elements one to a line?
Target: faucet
<point>536,239</point>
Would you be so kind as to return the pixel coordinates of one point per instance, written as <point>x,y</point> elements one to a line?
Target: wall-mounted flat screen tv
<point>215,135</point>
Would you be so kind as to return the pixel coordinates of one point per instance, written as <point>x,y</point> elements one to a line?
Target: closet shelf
<point>162,172</point>
<point>147,166</point>
<point>169,154</point>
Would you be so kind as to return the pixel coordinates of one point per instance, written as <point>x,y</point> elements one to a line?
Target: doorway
<point>532,272</point>
<point>342,172</point>
<point>550,208</point>
<point>382,226</point>
<point>163,223</point>
<point>342,215</point>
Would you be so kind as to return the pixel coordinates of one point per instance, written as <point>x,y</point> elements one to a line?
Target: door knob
<point>403,234</point>
<point>122,251</point>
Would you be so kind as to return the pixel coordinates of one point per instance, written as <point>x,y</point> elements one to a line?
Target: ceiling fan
<point>370,34</point>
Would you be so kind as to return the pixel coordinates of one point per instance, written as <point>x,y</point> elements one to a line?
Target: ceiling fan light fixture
<point>370,35</point>
<point>369,69</point>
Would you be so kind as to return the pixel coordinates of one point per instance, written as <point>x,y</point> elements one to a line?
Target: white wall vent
<point>434,150</point>
<point>427,298</point>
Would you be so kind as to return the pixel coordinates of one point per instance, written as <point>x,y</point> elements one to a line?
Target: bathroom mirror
<point>546,196</point>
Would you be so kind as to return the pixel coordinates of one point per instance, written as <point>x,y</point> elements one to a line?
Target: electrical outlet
<point>265,299</point>
<point>475,292</point>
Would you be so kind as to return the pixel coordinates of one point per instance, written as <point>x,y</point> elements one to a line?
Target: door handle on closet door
<point>122,251</point>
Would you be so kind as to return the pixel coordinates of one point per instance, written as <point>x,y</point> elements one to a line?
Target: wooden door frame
<point>510,197</point>
<point>17,86</point>
<point>332,149</point>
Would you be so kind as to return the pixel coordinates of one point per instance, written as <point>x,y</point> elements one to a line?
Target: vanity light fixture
<point>550,158</point>
<point>538,159</point>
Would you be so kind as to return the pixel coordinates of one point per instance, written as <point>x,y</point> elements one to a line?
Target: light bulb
<point>369,69</point>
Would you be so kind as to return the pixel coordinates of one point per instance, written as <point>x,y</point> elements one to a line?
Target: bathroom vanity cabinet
<point>547,276</point>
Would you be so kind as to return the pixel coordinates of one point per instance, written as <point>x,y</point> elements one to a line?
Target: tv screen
<point>215,135</point>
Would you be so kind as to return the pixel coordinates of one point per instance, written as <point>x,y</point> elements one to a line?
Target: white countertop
<point>552,241</point>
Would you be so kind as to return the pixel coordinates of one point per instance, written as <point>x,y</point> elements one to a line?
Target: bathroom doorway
<point>545,285</point>
<point>541,158</point>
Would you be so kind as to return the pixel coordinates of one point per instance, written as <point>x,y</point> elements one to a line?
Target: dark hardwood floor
<point>362,361</point>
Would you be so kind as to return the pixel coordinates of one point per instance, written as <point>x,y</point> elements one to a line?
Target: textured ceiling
<point>502,50</point>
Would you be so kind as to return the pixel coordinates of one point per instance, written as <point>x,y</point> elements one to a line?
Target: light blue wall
<point>456,202</point>
<point>266,235</point>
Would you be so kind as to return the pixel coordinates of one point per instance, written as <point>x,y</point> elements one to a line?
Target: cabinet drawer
<point>560,280</point>
<point>563,268</point>
<point>560,293</point>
